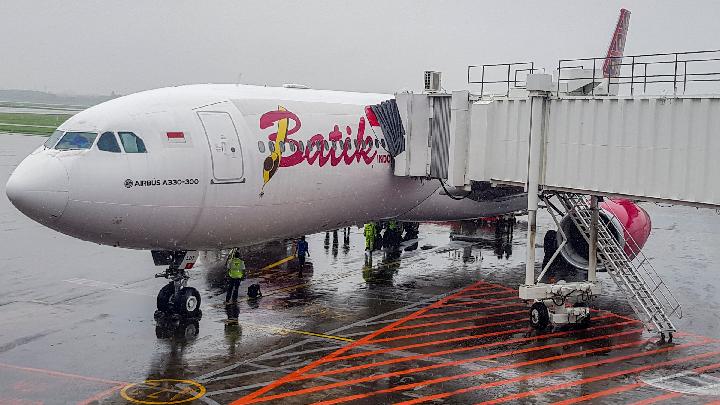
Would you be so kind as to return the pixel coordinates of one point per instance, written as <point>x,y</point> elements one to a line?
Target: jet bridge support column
<point>538,100</point>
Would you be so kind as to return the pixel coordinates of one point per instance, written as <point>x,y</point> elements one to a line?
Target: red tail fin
<point>613,60</point>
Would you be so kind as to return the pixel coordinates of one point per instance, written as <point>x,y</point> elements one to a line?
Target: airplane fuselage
<point>223,166</point>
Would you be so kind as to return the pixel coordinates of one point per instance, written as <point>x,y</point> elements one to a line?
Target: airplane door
<point>225,150</point>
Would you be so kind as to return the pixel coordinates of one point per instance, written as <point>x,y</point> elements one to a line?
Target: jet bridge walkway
<point>574,135</point>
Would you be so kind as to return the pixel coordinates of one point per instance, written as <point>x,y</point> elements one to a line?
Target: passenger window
<point>327,145</point>
<point>301,146</point>
<point>132,143</point>
<point>377,143</point>
<point>76,140</point>
<point>292,146</point>
<point>282,146</point>
<point>357,144</point>
<point>271,146</point>
<point>334,145</point>
<point>382,142</point>
<point>261,146</point>
<point>348,144</point>
<point>108,143</point>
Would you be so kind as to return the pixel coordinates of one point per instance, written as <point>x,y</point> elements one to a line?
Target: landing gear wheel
<point>539,316</point>
<point>163,297</point>
<point>187,302</point>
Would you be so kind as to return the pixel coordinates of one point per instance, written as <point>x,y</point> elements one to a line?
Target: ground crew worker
<point>302,250</point>
<point>236,272</point>
<point>392,232</point>
<point>369,233</point>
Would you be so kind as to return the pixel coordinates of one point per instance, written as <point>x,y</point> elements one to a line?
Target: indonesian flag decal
<point>373,121</point>
<point>175,137</point>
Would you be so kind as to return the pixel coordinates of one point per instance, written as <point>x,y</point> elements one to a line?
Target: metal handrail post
<point>632,75</point>
<point>675,76</point>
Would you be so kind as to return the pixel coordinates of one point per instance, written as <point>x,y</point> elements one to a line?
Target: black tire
<point>187,302</point>
<point>539,316</point>
<point>163,297</point>
<point>187,330</point>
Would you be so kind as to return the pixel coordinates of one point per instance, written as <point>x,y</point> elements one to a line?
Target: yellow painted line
<point>279,262</point>
<point>157,388</point>
<point>300,332</point>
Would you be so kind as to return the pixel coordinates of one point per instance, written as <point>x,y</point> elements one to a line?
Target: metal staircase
<point>647,294</point>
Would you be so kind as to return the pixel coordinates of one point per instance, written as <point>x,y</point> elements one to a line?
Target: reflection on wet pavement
<point>437,320</point>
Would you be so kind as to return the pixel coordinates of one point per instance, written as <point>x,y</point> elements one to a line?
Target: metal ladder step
<point>627,275</point>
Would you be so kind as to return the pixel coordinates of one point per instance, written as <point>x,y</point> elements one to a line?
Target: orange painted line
<point>488,288</point>
<point>614,390</point>
<point>486,294</point>
<point>600,377</point>
<point>465,311</point>
<point>478,302</point>
<point>453,377</point>
<point>713,403</point>
<point>511,366</point>
<point>464,349</point>
<point>252,397</point>
<point>100,395</point>
<point>628,387</point>
<point>459,339</point>
<point>490,285</point>
<point>443,331</point>
<point>658,398</point>
<point>458,320</point>
<point>61,374</point>
<point>629,318</point>
<point>435,381</point>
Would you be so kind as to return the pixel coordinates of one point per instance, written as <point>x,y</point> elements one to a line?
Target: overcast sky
<point>95,47</point>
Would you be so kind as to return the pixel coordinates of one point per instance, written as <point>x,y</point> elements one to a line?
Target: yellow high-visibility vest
<point>237,268</point>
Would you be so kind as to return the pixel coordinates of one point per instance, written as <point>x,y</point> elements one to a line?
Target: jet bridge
<point>571,135</point>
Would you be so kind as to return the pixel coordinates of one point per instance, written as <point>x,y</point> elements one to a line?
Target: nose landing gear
<point>176,298</point>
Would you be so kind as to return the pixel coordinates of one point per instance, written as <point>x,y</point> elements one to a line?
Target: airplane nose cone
<point>39,188</point>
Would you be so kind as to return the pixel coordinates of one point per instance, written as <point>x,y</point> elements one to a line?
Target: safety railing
<point>500,78</point>
<point>675,73</point>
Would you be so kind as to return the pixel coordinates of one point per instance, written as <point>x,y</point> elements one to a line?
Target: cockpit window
<point>108,143</point>
<point>76,140</point>
<point>52,140</point>
<point>132,143</point>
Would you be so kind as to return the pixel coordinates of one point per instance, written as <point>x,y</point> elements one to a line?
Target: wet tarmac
<point>437,322</point>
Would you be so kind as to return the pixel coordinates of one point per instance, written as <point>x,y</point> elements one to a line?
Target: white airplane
<point>207,167</point>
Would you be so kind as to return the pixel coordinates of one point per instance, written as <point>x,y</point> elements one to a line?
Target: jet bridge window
<point>76,140</point>
<point>132,143</point>
<point>108,143</point>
